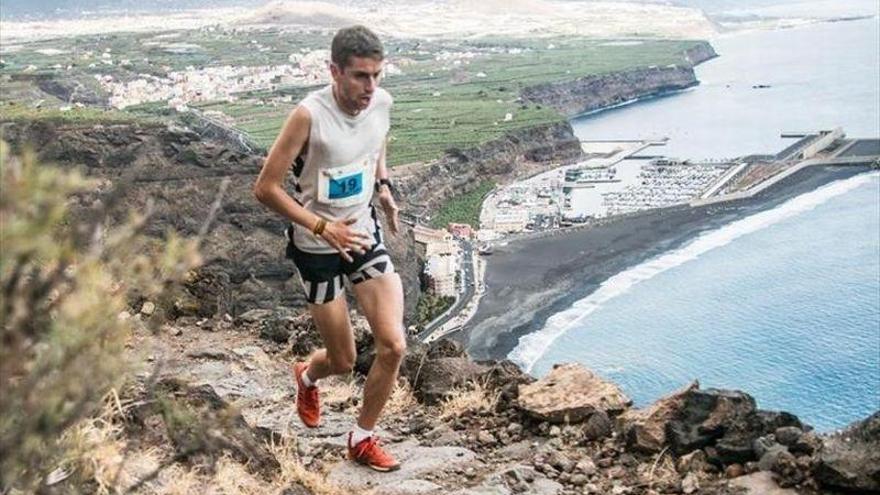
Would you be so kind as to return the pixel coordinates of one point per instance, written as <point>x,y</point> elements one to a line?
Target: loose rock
<point>569,394</point>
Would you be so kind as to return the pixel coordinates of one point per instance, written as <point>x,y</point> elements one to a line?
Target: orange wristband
<point>319,227</point>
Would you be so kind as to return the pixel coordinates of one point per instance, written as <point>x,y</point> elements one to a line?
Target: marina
<point>617,179</point>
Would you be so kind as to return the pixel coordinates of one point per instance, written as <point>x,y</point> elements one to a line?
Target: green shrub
<point>65,281</point>
<point>431,306</point>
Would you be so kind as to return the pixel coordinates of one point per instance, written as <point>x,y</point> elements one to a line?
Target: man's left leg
<point>381,300</point>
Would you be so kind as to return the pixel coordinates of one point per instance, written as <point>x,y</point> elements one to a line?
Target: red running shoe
<point>308,403</point>
<point>369,453</point>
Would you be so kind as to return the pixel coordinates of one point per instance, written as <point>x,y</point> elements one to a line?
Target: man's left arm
<point>386,199</point>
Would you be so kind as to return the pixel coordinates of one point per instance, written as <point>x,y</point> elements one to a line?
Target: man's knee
<point>391,350</point>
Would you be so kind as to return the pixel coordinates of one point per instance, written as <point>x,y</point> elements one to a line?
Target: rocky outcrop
<point>570,394</point>
<point>645,429</point>
<point>70,90</point>
<point>591,93</point>
<point>850,460</point>
<point>437,371</point>
<point>726,424</point>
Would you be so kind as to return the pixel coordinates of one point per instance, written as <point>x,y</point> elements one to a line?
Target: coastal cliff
<point>528,151</point>
<point>180,171</point>
<point>596,92</point>
<point>516,155</point>
<point>699,53</point>
<point>588,94</point>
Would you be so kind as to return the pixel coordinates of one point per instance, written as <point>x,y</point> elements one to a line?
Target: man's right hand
<point>343,238</point>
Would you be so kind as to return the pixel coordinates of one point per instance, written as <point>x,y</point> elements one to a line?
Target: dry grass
<point>401,401</point>
<point>100,457</point>
<point>475,398</point>
<point>231,478</point>
<point>343,392</point>
<point>293,472</point>
<point>98,453</point>
<point>178,480</point>
<point>339,391</point>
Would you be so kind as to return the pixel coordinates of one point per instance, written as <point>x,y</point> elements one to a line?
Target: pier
<point>825,148</point>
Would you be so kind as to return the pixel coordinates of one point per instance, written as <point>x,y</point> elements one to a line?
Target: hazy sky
<point>74,8</point>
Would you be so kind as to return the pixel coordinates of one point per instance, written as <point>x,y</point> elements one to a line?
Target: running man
<point>335,142</point>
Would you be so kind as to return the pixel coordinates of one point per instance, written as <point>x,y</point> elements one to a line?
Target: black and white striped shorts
<point>321,274</point>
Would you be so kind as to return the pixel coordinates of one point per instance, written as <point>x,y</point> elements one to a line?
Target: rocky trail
<point>485,428</point>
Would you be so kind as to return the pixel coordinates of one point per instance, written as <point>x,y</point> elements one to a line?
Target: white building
<point>440,273</point>
<point>434,242</point>
<point>511,220</point>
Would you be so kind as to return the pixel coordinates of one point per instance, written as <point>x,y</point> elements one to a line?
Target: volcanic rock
<point>570,393</point>
<point>850,460</point>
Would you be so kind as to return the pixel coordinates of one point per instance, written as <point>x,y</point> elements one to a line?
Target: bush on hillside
<point>65,282</point>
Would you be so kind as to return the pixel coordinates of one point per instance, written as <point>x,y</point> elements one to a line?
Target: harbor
<point>617,178</point>
<point>663,197</point>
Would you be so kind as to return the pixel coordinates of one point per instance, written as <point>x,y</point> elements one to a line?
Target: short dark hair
<point>355,41</point>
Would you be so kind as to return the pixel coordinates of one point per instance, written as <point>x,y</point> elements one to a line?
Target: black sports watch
<point>384,182</point>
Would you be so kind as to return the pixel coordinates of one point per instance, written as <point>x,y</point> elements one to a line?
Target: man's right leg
<point>337,357</point>
<point>321,276</point>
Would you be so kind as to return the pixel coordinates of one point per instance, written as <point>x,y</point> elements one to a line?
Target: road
<point>469,284</point>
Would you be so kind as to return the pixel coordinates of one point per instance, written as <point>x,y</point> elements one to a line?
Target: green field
<point>464,208</point>
<point>436,108</point>
<point>439,104</point>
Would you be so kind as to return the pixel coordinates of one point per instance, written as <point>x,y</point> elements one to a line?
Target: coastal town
<point>613,181</point>
<point>180,88</point>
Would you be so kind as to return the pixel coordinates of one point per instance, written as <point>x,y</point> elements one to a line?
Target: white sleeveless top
<point>336,173</point>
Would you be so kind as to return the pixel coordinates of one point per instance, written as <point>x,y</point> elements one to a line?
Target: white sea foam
<point>531,347</point>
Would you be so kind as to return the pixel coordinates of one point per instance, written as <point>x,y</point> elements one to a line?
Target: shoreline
<point>529,280</point>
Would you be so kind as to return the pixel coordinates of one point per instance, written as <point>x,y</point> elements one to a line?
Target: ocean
<point>820,76</point>
<point>784,304</point>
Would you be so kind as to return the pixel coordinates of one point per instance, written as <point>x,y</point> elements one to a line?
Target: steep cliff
<point>699,53</point>
<point>587,94</point>
<point>181,173</point>
<point>590,93</point>
<point>517,154</point>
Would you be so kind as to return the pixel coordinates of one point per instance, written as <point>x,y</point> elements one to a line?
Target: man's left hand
<point>390,208</point>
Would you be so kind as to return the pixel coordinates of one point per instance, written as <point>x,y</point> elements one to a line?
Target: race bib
<point>344,186</point>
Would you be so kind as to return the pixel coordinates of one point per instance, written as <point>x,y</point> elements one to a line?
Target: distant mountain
<point>54,9</point>
<point>712,6</point>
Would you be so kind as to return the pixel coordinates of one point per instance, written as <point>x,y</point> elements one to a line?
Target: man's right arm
<point>269,187</point>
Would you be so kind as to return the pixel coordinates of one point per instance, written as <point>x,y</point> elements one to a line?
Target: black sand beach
<point>529,280</point>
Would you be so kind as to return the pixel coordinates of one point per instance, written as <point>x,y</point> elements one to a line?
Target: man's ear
<point>335,70</point>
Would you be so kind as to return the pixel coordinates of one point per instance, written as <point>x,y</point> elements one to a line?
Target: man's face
<point>357,81</point>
